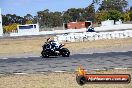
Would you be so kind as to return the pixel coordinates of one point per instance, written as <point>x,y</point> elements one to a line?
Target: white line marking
<point>99,69</point>
<point>5,58</point>
<point>60,71</point>
<point>120,68</point>
<point>20,73</point>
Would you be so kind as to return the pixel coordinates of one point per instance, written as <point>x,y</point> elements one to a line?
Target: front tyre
<point>65,52</point>
<point>44,54</point>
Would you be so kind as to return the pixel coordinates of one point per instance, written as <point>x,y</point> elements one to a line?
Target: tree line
<point>108,9</point>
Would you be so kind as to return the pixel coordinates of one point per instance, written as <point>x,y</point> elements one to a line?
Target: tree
<point>35,19</point>
<point>126,16</point>
<point>97,1</point>
<point>50,19</point>
<point>12,18</point>
<point>56,19</point>
<point>43,17</point>
<point>29,22</point>
<point>130,9</point>
<point>114,15</point>
<point>28,19</point>
<point>101,16</point>
<point>130,15</point>
<point>80,14</point>
<point>119,5</point>
<point>74,13</point>
<point>66,18</point>
<point>90,12</point>
<point>4,20</point>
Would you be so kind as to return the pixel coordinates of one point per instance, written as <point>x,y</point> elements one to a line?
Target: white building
<point>1,28</point>
<point>107,23</point>
<point>28,29</point>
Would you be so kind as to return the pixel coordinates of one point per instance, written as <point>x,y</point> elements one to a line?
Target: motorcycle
<point>49,50</point>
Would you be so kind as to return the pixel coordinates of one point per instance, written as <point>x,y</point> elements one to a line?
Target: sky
<point>23,7</point>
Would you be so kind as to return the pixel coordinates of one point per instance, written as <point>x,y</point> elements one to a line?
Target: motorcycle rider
<point>54,44</point>
<point>54,48</point>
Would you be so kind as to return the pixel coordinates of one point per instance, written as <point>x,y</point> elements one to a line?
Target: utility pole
<point>1,28</point>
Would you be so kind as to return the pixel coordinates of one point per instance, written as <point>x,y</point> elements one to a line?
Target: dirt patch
<point>33,45</point>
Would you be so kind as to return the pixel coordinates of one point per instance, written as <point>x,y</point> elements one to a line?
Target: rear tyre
<point>44,54</point>
<point>65,52</point>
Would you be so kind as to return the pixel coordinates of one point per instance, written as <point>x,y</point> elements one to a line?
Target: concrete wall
<point>107,22</point>
<point>90,36</point>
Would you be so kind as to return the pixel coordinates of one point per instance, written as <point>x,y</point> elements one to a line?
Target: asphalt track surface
<point>89,61</point>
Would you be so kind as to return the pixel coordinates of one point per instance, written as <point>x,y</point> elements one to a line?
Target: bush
<point>10,28</point>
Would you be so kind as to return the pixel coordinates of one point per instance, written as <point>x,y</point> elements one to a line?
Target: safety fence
<point>89,36</point>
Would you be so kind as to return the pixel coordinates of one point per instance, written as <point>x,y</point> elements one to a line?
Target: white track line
<point>122,68</point>
<point>20,73</point>
<point>60,71</point>
<point>19,57</point>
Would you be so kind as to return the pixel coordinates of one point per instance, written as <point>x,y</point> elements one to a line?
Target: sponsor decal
<point>83,78</point>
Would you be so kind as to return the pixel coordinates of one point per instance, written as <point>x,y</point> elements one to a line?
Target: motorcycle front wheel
<point>65,52</point>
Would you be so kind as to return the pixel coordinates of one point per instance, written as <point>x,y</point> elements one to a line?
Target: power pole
<point>1,28</point>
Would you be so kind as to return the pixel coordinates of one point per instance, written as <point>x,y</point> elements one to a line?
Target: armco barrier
<point>90,36</point>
